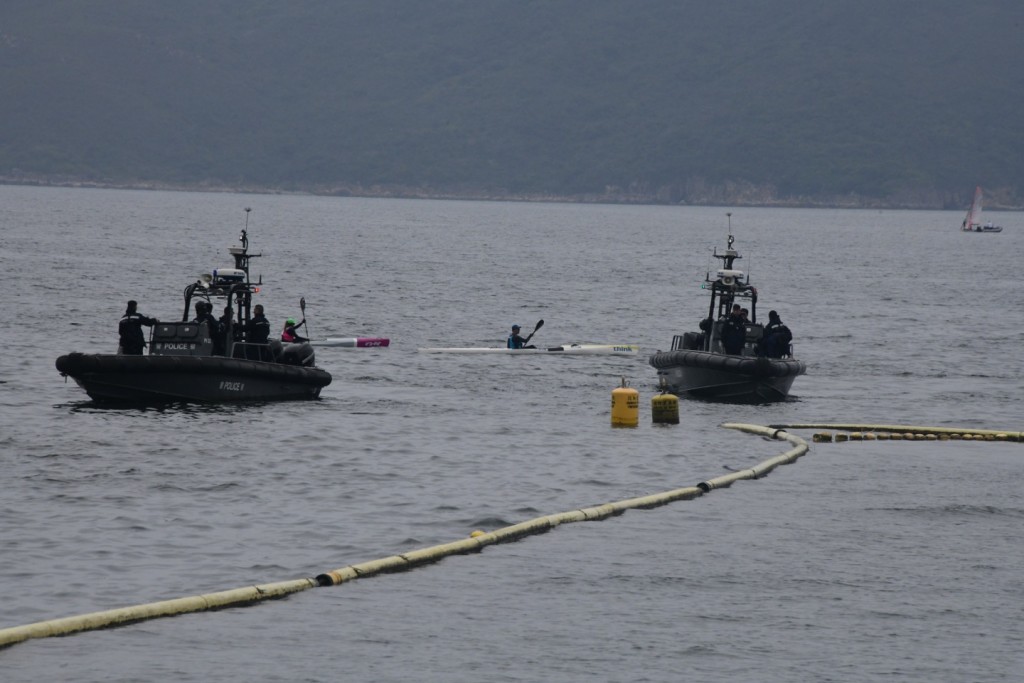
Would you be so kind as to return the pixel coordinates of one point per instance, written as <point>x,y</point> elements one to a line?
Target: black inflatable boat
<point>715,364</point>
<point>181,365</point>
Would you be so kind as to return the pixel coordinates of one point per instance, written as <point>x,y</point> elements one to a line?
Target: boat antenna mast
<point>242,255</point>
<point>725,284</point>
<point>730,254</point>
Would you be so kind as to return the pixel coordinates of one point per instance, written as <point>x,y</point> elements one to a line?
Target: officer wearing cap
<point>132,341</point>
<point>204,313</point>
<point>258,330</point>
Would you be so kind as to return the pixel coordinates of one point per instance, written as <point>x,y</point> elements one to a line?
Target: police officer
<point>132,340</point>
<point>776,337</point>
<point>258,330</point>
<point>734,332</point>
<point>204,312</point>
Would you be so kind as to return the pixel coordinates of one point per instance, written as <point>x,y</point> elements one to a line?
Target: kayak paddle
<point>540,324</point>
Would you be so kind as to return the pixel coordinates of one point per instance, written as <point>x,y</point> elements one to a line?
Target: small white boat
<point>563,350</point>
<point>355,342</point>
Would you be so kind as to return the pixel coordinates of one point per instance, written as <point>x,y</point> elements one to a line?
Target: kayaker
<point>289,334</point>
<point>515,341</point>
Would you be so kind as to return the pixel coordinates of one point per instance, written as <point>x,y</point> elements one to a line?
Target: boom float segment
<point>479,540</point>
<point>907,432</point>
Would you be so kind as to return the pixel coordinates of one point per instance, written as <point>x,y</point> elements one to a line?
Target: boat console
<point>181,339</point>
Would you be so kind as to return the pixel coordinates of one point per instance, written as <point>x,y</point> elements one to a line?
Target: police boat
<point>727,360</point>
<point>186,363</point>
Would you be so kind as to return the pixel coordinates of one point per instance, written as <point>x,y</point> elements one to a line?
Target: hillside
<point>907,103</point>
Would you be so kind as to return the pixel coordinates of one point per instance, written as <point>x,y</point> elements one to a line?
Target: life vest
<point>287,336</point>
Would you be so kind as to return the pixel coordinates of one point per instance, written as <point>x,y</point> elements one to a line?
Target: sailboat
<point>972,222</point>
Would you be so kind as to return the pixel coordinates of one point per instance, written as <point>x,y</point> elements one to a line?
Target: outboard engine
<point>298,354</point>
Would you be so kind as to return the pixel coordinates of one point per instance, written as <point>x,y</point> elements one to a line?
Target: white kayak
<point>354,342</point>
<point>563,350</point>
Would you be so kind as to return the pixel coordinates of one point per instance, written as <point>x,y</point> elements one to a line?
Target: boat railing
<point>689,341</point>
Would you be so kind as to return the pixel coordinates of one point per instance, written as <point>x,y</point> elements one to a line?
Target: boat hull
<point>123,379</point>
<point>721,377</point>
<point>563,350</point>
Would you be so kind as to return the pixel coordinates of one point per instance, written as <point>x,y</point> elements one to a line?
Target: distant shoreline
<point>396,192</point>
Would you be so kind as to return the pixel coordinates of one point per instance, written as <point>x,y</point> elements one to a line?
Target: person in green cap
<point>289,334</point>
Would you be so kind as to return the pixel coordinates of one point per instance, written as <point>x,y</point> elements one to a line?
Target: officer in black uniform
<point>734,332</point>
<point>258,330</point>
<point>776,337</point>
<point>132,340</point>
<point>204,312</point>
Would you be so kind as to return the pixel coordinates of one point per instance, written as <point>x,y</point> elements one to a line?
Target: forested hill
<point>875,102</point>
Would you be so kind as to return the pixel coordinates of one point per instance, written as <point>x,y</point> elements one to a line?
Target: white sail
<point>976,217</point>
<point>973,218</point>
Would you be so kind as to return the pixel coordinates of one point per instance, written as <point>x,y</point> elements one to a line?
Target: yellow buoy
<point>625,406</point>
<point>665,409</point>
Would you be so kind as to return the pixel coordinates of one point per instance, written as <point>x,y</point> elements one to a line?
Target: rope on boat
<point>477,541</point>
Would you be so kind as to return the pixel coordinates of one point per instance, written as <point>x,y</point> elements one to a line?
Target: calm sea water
<point>863,561</point>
